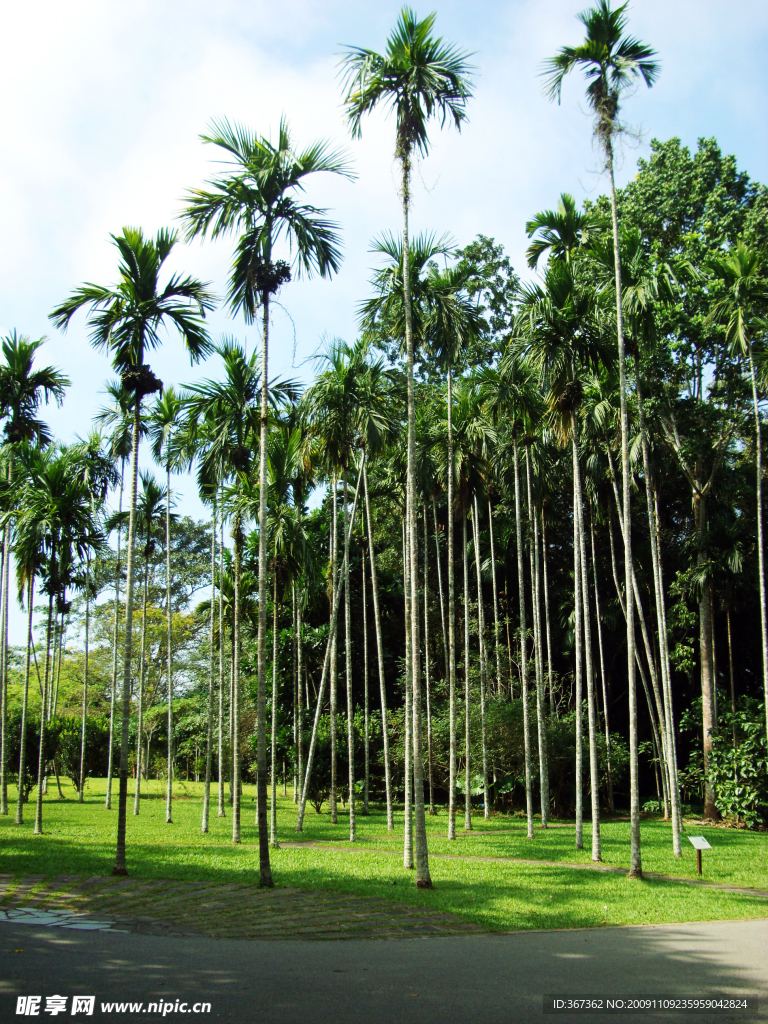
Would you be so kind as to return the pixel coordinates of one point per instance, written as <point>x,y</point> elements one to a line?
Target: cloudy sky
<point>103,104</point>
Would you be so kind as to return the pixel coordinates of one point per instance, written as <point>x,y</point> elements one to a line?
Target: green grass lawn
<point>80,840</point>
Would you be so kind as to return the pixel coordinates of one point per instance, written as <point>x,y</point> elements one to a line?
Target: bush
<point>740,776</point>
<point>96,748</point>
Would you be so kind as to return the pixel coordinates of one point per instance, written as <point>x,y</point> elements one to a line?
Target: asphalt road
<point>476,978</point>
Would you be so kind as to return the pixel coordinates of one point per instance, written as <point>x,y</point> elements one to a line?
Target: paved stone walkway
<point>218,910</point>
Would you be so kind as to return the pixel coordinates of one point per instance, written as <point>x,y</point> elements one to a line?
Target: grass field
<point>497,895</point>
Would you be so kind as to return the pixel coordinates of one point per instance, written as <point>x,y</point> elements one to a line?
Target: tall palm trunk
<point>594,774</point>
<point>451,628</point>
<point>533,527</point>
<point>379,653</point>
<point>25,700</point>
<point>666,680</point>
<point>38,830</point>
<point>115,638</point>
<point>299,693</point>
<point>467,701</point>
<point>142,669</point>
<point>444,632</point>
<point>348,668</point>
<point>85,677</point>
<point>423,880</point>
<point>120,865</point>
<point>546,613</point>
<point>333,795</point>
<point>577,630</point>
<point>760,537</point>
<point>324,677</point>
<point>495,600</point>
<point>169,644</point>
<point>408,711</point>
<point>523,648</point>
<point>235,697</point>
<point>366,709</point>
<point>603,681</point>
<point>265,870</point>
<point>483,661</point>
<point>427,669</point>
<point>273,738</point>
<point>211,654</point>
<point>221,812</point>
<point>635,869</point>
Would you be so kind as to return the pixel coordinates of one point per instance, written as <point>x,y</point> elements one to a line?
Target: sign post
<point>699,843</point>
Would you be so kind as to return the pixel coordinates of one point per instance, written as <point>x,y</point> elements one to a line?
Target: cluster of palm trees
<point>460,418</point>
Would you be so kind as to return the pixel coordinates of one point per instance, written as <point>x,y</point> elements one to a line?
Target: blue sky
<point>103,105</point>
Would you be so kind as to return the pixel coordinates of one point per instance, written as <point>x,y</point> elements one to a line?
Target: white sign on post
<point>699,843</point>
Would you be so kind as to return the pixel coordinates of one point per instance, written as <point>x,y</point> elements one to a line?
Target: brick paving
<point>227,910</point>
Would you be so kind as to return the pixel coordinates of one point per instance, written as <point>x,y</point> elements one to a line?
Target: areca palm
<point>257,199</point>
<point>557,233</point>
<point>126,320</point>
<point>119,417</point>
<point>417,78</point>
<point>742,310</point>
<point>163,427</point>
<point>612,62</point>
<point>23,388</point>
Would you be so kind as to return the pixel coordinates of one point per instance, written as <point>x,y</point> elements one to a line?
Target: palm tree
<point>118,416</point>
<point>163,426</point>
<point>418,77</point>
<point>229,413</point>
<point>257,199</point>
<point>744,273</point>
<point>54,527</point>
<point>558,233</point>
<point>96,469</point>
<point>23,388</point>
<point>126,320</point>
<point>613,62</point>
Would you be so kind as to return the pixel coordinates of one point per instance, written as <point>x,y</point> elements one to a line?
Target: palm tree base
<point>122,872</point>
<point>424,885</point>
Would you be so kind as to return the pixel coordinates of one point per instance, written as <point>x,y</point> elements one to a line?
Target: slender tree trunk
<point>366,709</point>
<point>142,669</point>
<point>348,669</point>
<point>332,796</point>
<point>636,867</point>
<point>120,865</point>
<point>115,638</point>
<point>444,632</point>
<point>523,648</point>
<point>408,719</point>
<point>483,662</point>
<point>81,787</point>
<point>41,765</point>
<point>221,812</point>
<point>423,879</point>
<point>324,676</point>
<point>209,731</point>
<point>62,633</point>
<point>24,702</point>
<point>552,710</point>
<point>594,774</point>
<point>432,810</point>
<point>666,681</point>
<point>603,682</point>
<point>169,643</point>
<point>495,600</point>
<point>451,627</point>
<point>760,537</point>
<point>273,752</point>
<point>265,870</point>
<point>235,698</point>
<point>730,669</point>
<point>533,526</point>
<point>467,700</point>
<point>299,704</point>
<point>577,628</point>
<point>379,653</point>
<point>705,659</point>
<point>294,692</point>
